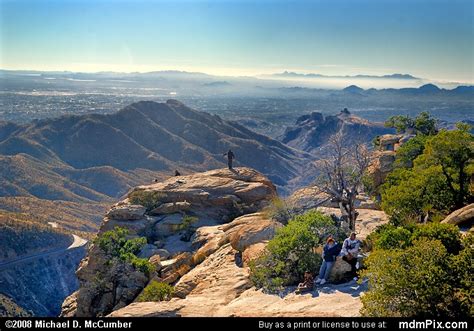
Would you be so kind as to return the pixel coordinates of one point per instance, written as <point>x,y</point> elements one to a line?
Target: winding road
<point>77,242</point>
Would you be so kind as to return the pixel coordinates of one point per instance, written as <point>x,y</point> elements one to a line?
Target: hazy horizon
<point>428,39</point>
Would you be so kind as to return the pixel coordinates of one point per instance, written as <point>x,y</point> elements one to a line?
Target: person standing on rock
<point>330,252</point>
<point>230,157</point>
<point>350,251</point>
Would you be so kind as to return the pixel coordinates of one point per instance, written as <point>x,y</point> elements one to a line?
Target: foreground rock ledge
<point>212,198</point>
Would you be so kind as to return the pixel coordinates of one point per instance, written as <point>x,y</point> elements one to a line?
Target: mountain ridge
<point>140,142</point>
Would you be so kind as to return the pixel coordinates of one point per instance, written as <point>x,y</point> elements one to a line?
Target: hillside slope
<point>93,158</point>
<point>311,132</point>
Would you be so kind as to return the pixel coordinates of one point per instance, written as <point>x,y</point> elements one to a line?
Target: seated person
<point>330,252</point>
<point>350,251</point>
<point>307,284</point>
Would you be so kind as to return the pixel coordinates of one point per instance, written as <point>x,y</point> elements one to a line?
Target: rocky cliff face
<point>161,212</point>
<point>207,261</point>
<point>383,157</point>
<point>311,132</point>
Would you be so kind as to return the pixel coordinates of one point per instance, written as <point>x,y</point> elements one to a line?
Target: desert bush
<point>396,237</point>
<point>148,199</point>
<point>292,251</point>
<point>115,244</point>
<point>187,221</point>
<point>431,277</point>
<point>280,210</point>
<point>390,237</point>
<point>448,234</point>
<point>156,291</point>
<point>407,282</point>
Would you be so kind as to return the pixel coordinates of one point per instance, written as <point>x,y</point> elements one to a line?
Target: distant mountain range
<point>424,89</point>
<point>97,158</point>
<point>289,74</point>
<point>196,79</point>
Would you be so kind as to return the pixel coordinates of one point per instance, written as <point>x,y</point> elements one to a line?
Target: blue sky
<point>432,39</point>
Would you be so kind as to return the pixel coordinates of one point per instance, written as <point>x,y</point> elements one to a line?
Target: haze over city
<point>428,39</point>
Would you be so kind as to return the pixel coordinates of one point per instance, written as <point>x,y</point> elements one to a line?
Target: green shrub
<point>187,221</point>
<point>428,278</point>
<point>408,194</point>
<point>291,252</point>
<point>280,210</point>
<point>448,234</point>
<point>115,244</point>
<point>431,176</point>
<point>409,151</point>
<point>156,291</point>
<point>148,199</point>
<point>462,278</point>
<point>389,236</point>
<point>398,237</point>
<point>369,185</point>
<point>410,282</point>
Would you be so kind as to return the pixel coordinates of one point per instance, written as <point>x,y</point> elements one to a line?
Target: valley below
<point>62,175</point>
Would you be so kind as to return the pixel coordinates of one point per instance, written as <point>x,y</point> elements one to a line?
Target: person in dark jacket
<point>330,251</point>
<point>230,157</point>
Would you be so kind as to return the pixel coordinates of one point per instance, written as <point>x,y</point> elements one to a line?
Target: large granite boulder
<point>463,217</point>
<point>250,229</point>
<point>126,212</point>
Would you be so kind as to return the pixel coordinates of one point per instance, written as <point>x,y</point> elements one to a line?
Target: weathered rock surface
<point>105,285</point>
<point>199,203</point>
<point>311,197</point>
<point>126,212</point>
<point>339,271</point>
<point>250,229</point>
<point>366,222</point>
<point>219,287</point>
<point>209,269</point>
<point>462,217</point>
<point>381,166</point>
<point>171,208</point>
<point>384,157</point>
<point>253,252</point>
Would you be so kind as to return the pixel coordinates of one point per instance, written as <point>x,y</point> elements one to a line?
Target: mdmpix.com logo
<point>432,324</point>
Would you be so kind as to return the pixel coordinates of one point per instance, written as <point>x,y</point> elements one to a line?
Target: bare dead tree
<point>342,174</point>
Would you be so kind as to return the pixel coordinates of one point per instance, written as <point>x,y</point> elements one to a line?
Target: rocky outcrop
<point>463,217</point>
<point>219,286</point>
<point>367,220</point>
<point>312,132</point>
<point>209,269</point>
<point>186,223</point>
<point>311,197</point>
<point>251,229</point>
<point>126,212</point>
<point>392,142</point>
<point>384,156</point>
<point>381,166</point>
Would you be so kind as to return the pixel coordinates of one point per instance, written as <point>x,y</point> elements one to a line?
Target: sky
<point>432,39</point>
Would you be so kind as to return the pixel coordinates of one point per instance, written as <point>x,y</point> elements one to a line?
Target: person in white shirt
<point>350,251</point>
